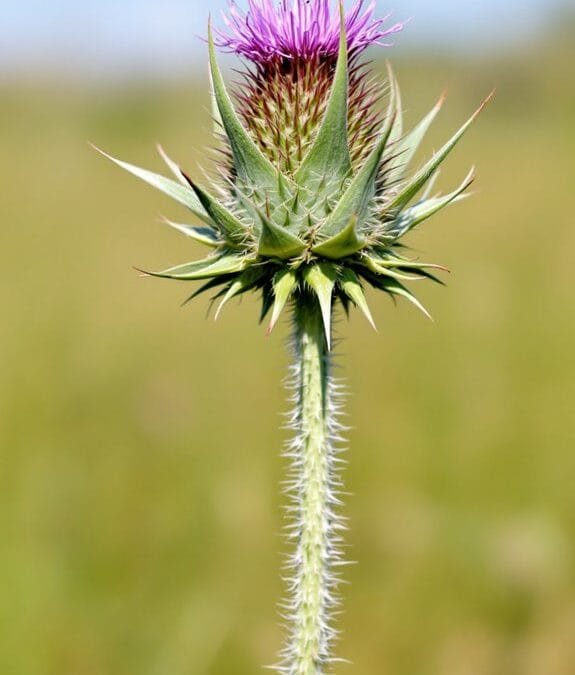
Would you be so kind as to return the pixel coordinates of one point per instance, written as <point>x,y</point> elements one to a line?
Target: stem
<point>313,489</point>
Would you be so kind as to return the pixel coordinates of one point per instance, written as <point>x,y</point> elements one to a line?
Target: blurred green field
<point>140,513</point>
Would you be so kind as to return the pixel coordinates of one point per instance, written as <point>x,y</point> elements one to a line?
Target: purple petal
<point>299,29</point>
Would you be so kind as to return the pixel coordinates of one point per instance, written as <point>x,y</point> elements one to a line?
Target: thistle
<point>312,203</point>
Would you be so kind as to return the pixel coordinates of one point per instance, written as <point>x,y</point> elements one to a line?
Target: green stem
<point>315,527</point>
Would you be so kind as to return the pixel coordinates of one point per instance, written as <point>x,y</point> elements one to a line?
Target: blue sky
<point>123,37</point>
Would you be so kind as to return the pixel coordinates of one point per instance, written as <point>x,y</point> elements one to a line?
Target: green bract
<point>324,225</point>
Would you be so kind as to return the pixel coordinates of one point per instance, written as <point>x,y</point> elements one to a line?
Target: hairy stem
<point>313,489</point>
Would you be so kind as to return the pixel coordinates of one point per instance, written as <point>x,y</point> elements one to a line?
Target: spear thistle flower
<point>313,202</point>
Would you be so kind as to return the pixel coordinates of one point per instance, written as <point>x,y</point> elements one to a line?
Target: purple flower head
<point>304,29</point>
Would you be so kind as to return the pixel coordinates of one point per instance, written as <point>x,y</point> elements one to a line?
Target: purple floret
<point>299,29</point>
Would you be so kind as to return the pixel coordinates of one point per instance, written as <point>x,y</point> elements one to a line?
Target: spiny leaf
<point>360,191</point>
<point>344,243</point>
<point>350,284</point>
<point>427,208</point>
<point>173,167</point>
<point>407,147</point>
<point>181,194</point>
<point>218,125</point>
<point>395,109</point>
<point>393,286</point>
<point>329,153</point>
<point>344,302</point>
<point>230,226</point>
<point>407,263</point>
<point>267,301</point>
<point>211,283</point>
<point>321,278</point>
<point>234,288</point>
<point>283,284</point>
<point>251,165</point>
<point>243,283</point>
<point>203,235</point>
<point>425,173</point>
<point>204,269</point>
<point>378,266</point>
<point>277,242</point>
<point>430,185</point>
<point>247,201</point>
<point>427,275</point>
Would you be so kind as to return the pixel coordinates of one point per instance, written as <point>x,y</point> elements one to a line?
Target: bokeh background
<point>140,520</point>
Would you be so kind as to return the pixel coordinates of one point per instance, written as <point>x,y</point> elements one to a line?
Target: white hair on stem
<point>315,489</point>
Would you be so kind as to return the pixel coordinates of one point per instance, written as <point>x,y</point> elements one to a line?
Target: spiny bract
<point>314,196</point>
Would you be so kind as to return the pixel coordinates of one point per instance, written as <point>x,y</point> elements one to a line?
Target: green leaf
<point>218,125</point>
<point>407,263</point>
<point>351,286</point>
<point>283,284</point>
<point>211,283</point>
<point>181,194</point>
<point>203,235</point>
<point>234,288</point>
<point>213,266</point>
<point>344,302</point>
<point>250,163</point>
<point>407,147</point>
<point>430,185</point>
<point>267,301</point>
<point>233,229</point>
<point>428,169</point>
<point>427,275</point>
<point>355,200</point>
<point>393,286</point>
<point>173,167</point>
<point>379,267</point>
<point>242,284</point>
<point>344,243</point>
<point>329,153</point>
<point>277,242</point>
<point>395,109</point>
<point>425,209</point>
<point>321,278</point>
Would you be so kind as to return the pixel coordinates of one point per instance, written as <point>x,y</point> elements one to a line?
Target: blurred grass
<point>140,515</point>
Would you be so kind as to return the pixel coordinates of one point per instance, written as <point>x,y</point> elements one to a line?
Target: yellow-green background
<point>139,479</point>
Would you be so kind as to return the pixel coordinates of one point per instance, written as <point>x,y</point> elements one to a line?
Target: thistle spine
<point>314,488</point>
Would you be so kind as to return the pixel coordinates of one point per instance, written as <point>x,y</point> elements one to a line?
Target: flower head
<point>293,46</point>
<point>296,29</point>
<point>316,193</point>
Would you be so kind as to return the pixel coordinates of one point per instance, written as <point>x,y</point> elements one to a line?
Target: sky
<point>125,37</point>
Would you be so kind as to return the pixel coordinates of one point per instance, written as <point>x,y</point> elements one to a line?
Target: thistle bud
<point>292,50</point>
<point>317,190</point>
